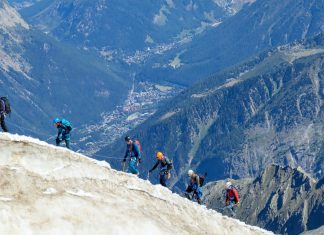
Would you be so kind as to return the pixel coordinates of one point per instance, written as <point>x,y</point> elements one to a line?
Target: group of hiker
<point>133,153</point>
<point>196,181</point>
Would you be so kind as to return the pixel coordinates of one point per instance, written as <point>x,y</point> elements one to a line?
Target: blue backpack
<point>67,124</point>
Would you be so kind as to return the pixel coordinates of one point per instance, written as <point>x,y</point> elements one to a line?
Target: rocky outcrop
<point>284,200</point>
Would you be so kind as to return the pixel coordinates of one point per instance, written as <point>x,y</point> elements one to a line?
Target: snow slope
<point>51,190</point>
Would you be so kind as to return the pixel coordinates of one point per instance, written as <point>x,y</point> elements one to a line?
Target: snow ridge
<point>52,190</point>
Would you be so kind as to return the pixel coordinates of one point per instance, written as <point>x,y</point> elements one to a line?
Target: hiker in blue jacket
<point>134,154</point>
<point>64,129</point>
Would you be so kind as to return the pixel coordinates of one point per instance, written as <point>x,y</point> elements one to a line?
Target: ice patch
<point>50,191</point>
<point>6,199</point>
<point>59,168</point>
<point>81,193</point>
<point>15,168</point>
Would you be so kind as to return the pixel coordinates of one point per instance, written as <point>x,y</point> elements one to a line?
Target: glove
<point>150,171</point>
<point>226,203</point>
<point>124,160</point>
<point>238,204</point>
<point>140,160</point>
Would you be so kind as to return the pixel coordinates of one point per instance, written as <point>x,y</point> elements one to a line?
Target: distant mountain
<point>258,26</point>
<point>282,200</point>
<point>267,110</point>
<point>123,26</point>
<point>45,78</point>
<point>150,38</point>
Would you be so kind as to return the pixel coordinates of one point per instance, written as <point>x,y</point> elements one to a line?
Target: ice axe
<point>124,166</point>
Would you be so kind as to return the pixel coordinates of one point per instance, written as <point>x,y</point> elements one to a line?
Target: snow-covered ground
<point>51,190</point>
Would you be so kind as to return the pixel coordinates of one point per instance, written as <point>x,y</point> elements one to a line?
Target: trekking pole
<point>124,166</point>
<point>148,176</point>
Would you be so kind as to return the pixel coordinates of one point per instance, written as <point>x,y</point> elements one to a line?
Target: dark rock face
<point>283,200</point>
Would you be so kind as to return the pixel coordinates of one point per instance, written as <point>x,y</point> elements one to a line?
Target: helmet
<point>127,138</point>
<point>190,172</point>
<point>228,184</point>
<point>56,120</point>
<point>159,155</point>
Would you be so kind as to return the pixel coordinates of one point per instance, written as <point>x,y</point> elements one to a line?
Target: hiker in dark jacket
<point>134,154</point>
<point>3,116</point>
<point>165,167</point>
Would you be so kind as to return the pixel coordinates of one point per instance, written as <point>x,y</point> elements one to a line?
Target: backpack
<point>202,179</point>
<point>139,145</point>
<point>67,124</point>
<point>7,105</point>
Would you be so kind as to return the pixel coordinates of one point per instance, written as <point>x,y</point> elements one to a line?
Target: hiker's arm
<point>155,166</point>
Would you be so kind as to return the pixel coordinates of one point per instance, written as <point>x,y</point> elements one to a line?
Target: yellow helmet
<point>159,155</point>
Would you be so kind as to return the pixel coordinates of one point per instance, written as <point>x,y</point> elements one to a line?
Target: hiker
<point>165,167</point>
<point>64,129</point>
<point>134,154</point>
<point>194,187</point>
<point>4,110</point>
<point>232,197</point>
